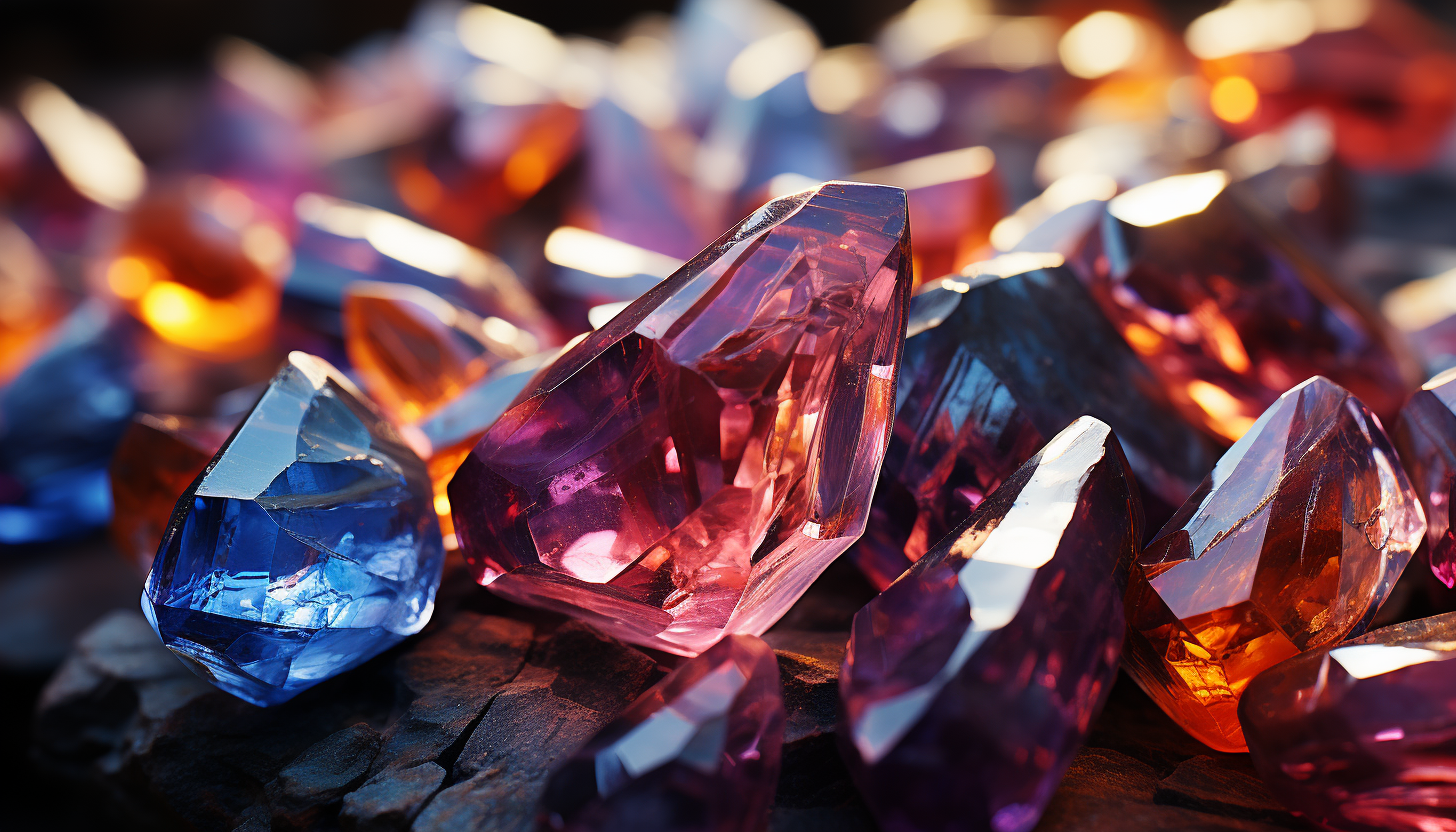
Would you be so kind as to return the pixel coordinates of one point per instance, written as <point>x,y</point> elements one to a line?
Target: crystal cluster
<point>971,681</point>
<point>308,545</point>
<point>1291,544</point>
<point>687,470</point>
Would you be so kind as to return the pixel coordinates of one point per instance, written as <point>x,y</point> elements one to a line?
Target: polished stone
<point>1291,544</point>
<point>309,544</point>
<point>689,469</point>
<point>972,680</point>
<point>699,752</point>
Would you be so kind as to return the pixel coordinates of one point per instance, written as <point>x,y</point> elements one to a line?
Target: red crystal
<point>972,680</point>
<point>699,752</point>
<point>1358,737</point>
<point>1226,310</point>
<point>1426,437</point>
<point>1291,544</point>
<point>687,470</point>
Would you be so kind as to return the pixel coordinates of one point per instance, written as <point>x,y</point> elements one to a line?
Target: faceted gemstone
<point>343,242</point>
<point>972,680</point>
<point>1426,437</point>
<point>994,365</point>
<point>687,470</point>
<point>1358,737</point>
<point>155,461</point>
<point>1291,544</point>
<point>201,265</point>
<point>1226,310</point>
<point>308,545</point>
<point>699,752</point>
<point>416,350</point>
<point>955,199</point>
<point>30,299</point>
<point>1382,71</point>
<point>60,419</point>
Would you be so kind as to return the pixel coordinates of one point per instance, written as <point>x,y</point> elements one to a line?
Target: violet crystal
<point>1425,434</point>
<point>699,752</point>
<point>971,681</point>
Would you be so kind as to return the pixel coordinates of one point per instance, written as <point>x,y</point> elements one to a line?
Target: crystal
<point>1380,69</point>
<point>972,680</point>
<point>155,461</point>
<point>415,350</point>
<point>1425,433</point>
<point>687,470</point>
<point>955,199</point>
<point>201,265</point>
<point>1291,544</point>
<point>994,365</point>
<point>60,419</point>
<point>699,752</point>
<point>1226,310</point>
<point>307,546</point>
<point>1357,737</point>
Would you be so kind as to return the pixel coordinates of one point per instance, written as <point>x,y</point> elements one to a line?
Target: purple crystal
<point>697,752</point>
<point>971,681</point>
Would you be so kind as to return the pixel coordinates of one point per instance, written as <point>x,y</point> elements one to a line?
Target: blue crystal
<point>309,545</point>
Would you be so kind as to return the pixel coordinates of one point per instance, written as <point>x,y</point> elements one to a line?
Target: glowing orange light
<point>129,276</point>
<point>191,319</point>
<point>526,171</point>
<point>1234,99</point>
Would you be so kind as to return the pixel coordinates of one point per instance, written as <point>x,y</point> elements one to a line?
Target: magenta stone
<point>972,680</point>
<point>687,470</point>
<point>1362,736</point>
<point>1425,435</point>
<point>697,753</point>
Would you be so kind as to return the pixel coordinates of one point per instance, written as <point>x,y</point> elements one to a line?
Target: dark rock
<point>1223,785</point>
<point>322,774</point>
<point>389,801</point>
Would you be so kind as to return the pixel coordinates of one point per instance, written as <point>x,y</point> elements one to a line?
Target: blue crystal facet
<point>307,546</point>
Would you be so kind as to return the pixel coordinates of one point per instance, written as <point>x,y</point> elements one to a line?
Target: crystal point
<point>699,752</point>
<point>971,681</point>
<point>308,545</point>
<point>687,470</point>
<point>1291,544</point>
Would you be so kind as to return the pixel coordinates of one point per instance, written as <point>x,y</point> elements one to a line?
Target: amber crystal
<point>157,458</point>
<point>688,469</point>
<point>955,199</point>
<point>416,351</point>
<point>1226,310</point>
<point>1291,544</point>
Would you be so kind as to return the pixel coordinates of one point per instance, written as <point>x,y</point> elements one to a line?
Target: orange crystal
<point>1291,544</point>
<point>157,458</point>
<point>416,351</point>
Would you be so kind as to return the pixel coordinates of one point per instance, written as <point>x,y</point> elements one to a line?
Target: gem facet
<point>699,752</point>
<point>1226,310</point>
<point>995,364</point>
<point>157,458</point>
<point>1425,433</point>
<point>1357,737</point>
<point>972,680</point>
<point>1291,544</point>
<point>307,546</point>
<point>687,470</point>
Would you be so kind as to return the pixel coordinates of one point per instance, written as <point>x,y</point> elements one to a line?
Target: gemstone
<point>155,461</point>
<point>307,546</point>
<point>972,680</point>
<point>1380,69</point>
<point>687,470</point>
<point>201,264</point>
<point>699,752</point>
<point>994,365</point>
<point>415,350</point>
<point>1357,737</point>
<point>1291,544</point>
<point>60,419</point>
<point>1425,433</point>
<point>1226,310</point>
<point>955,200</point>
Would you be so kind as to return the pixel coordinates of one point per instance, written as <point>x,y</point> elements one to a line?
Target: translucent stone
<point>308,545</point>
<point>1425,433</point>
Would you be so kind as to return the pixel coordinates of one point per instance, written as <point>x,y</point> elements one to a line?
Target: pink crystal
<point>688,470</point>
<point>1425,435</point>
